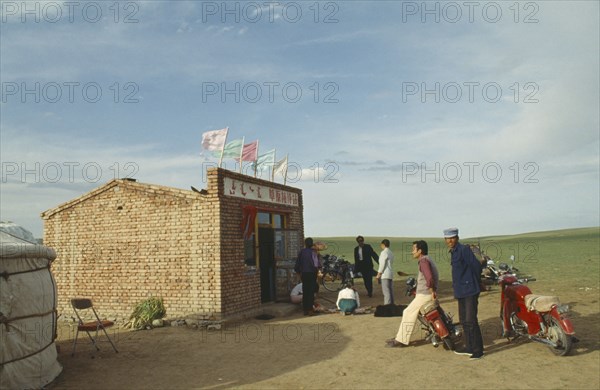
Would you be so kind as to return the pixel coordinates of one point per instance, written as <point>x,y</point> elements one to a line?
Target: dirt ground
<point>330,351</point>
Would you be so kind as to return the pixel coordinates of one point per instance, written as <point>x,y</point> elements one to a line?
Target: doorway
<point>266,253</point>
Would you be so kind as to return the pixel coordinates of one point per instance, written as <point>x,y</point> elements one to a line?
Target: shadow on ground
<point>180,357</point>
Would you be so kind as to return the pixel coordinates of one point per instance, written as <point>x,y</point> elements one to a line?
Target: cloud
<point>404,154</point>
<point>336,38</point>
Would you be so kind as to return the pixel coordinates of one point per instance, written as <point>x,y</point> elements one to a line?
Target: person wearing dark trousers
<point>363,262</point>
<point>466,274</point>
<point>307,265</point>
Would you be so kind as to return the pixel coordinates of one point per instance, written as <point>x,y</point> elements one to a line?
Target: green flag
<point>232,149</point>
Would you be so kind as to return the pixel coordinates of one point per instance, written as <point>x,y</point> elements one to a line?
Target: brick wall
<point>127,241</point>
<point>243,287</point>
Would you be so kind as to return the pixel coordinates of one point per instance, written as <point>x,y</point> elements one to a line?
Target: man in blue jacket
<point>466,274</point>
<point>308,265</point>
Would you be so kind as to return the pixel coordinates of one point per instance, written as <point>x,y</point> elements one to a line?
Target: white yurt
<point>27,311</point>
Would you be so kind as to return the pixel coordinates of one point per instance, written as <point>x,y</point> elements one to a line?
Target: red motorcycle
<point>434,320</point>
<point>539,318</point>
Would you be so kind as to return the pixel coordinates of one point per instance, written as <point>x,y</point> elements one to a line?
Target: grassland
<point>556,257</point>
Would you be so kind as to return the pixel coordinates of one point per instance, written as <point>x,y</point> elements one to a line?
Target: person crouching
<point>348,300</point>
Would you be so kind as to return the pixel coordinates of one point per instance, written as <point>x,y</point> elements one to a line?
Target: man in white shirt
<point>385,272</point>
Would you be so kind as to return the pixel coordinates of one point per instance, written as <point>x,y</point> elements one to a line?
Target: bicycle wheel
<point>332,281</point>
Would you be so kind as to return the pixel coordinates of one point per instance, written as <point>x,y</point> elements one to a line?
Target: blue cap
<point>450,232</point>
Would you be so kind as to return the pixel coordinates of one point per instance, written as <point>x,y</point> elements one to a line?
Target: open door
<point>266,261</point>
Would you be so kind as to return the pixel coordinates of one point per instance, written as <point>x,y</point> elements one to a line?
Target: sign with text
<point>252,191</point>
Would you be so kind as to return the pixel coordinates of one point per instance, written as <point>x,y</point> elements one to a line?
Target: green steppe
<point>554,258</point>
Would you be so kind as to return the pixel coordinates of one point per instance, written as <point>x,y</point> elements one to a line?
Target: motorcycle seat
<point>429,307</point>
<point>541,303</point>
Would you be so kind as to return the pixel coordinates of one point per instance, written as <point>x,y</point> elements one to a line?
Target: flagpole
<point>223,147</point>
<point>287,163</point>
<point>273,165</point>
<point>242,154</point>
<point>256,161</point>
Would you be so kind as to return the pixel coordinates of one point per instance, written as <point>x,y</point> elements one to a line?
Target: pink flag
<point>214,139</point>
<point>250,151</point>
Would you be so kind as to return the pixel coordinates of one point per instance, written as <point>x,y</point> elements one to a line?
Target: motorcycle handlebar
<point>525,280</point>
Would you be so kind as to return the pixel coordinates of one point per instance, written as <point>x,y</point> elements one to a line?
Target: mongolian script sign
<point>242,189</point>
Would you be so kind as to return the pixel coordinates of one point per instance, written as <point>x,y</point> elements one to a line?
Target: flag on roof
<point>250,151</point>
<point>214,139</point>
<point>232,149</point>
<point>265,161</point>
<point>280,167</point>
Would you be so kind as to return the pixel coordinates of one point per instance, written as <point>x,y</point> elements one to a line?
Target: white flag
<point>214,139</point>
<point>280,167</point>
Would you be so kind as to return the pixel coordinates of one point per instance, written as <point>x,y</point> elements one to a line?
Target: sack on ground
<point>390,310</point>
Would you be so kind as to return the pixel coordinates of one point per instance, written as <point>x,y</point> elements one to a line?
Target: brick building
<point>216,253</point>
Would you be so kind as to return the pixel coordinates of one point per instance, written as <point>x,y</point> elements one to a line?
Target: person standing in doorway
<point>466,274</point>
<point>363,262</point>
<point>385,273</point>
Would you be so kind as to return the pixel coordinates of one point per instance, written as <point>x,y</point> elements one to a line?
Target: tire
<point>557,335</point>
<point>332,281</point>
<point>349,278</point>
<point>448,344</point>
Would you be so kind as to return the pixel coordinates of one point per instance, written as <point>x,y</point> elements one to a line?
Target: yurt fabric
<point>27,314</point>
<point>17,231</point>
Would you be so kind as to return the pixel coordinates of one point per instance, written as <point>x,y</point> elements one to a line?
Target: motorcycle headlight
<point>458,330</point>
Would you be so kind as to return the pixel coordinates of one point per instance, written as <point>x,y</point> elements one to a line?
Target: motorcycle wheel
<point>332,281</point>
<point>448,344</point>
<point>557,335</point>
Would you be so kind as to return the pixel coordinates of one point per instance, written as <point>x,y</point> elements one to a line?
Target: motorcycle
<point>539,318</point>
<point>435,321</point>
<point>491,273</point>
<point>336,273</point>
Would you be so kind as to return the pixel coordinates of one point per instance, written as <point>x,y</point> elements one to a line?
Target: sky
<point>400,118</point>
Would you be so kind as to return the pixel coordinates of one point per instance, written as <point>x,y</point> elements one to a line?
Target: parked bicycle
<point>336,273</point>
